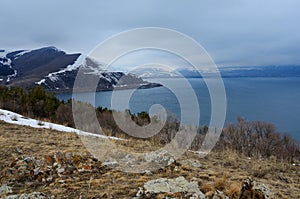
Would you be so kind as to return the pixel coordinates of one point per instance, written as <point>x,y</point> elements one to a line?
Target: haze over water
<point>274,100</point>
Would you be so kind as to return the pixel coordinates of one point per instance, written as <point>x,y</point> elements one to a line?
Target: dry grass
<point>221,170</point>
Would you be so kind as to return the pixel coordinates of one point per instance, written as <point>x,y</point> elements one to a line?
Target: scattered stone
<point>191,162</point>
<point>162,157</point>
<point>219,195</point>
<point>19,150</point>
<point>4,189</point>
<point>147,172</point>
<point>60,170</point>
<point>34,195</point>
<point>140,192</point>
<point>48,168</point>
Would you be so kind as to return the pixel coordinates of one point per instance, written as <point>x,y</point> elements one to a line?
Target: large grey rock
<point>263,189</point>
<point>177,185</point>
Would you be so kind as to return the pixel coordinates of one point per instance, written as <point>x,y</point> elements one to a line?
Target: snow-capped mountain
<point>155,72</point>
<point>168,72</point>
<point>56,71</point>
<point>226,72</point>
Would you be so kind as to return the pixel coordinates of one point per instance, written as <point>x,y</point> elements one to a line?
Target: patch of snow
<point>21,53</point>
<point>10,76</point>
<point>56,49</point>
<point>7,61</point>
<point>55,76</point>
<point>120,86</point>
<point>41,82</point>
<point>14,118</point>
<point>2,53</point>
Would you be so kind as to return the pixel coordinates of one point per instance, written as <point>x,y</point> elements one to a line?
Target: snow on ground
<point>14,118</point>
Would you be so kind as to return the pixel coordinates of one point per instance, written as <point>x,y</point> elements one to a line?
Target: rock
<point>219,195</point>
<point>191,162</point>
<point>263,189</point>
<point>60,170</point>
<point>112,164</point>
<point>162,157</point>
<point>172,186</point>
<point>197,195</point>
<point>19,150</point>
<point>4,189</point>
<point>34,195</point>
<point>250,188</point>
<point>140,192</point>
<point>147,172</point>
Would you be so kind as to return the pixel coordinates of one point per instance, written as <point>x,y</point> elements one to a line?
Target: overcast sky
<point>234,32</point>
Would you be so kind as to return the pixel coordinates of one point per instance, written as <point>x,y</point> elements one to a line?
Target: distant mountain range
<point>226,72</point>
<point>56,70</point>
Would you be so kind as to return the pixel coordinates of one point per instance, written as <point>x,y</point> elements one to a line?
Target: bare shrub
<point>258,139</point>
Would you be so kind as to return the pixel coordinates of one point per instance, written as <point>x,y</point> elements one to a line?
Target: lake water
<point>274,100</point>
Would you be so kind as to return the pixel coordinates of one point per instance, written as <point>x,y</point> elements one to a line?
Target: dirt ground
<point>83,176</point>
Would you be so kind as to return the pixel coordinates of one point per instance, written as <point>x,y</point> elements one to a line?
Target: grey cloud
<point>233,32</point>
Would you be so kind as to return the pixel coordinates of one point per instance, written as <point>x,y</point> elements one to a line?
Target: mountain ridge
<point>224,71</point>
<point>56,71</point>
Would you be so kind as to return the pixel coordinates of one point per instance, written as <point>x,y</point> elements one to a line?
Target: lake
<point>274,100</point>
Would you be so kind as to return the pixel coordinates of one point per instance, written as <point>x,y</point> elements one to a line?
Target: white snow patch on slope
<point>14,118</point>
<point>3,56</point>
<point>41,82</point>
<point>55,76</point>
<point>11,76</point>
<point>21,53</point>
<point>3,53</point>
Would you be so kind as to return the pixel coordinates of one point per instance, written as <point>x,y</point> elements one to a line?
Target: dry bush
<point>260,140</point>
<point>233,190</point>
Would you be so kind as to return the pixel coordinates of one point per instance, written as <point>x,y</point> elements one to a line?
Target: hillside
<point>57,164</point>
<point>56,70</point>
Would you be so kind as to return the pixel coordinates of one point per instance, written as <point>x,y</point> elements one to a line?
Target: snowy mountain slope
<point>5,65</point>
<point>155,72</point>
<point>56,71</point>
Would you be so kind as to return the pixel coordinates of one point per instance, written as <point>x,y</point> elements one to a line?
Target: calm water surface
<point>274,100</point>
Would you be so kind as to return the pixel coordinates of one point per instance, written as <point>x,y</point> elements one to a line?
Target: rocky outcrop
<point>253,189</point>
<point>34,195</point>
<point>177,187</point>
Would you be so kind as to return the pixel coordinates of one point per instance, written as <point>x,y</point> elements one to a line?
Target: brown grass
<point>224,171</point>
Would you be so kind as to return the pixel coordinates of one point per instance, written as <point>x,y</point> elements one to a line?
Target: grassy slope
<point>224,171</point>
